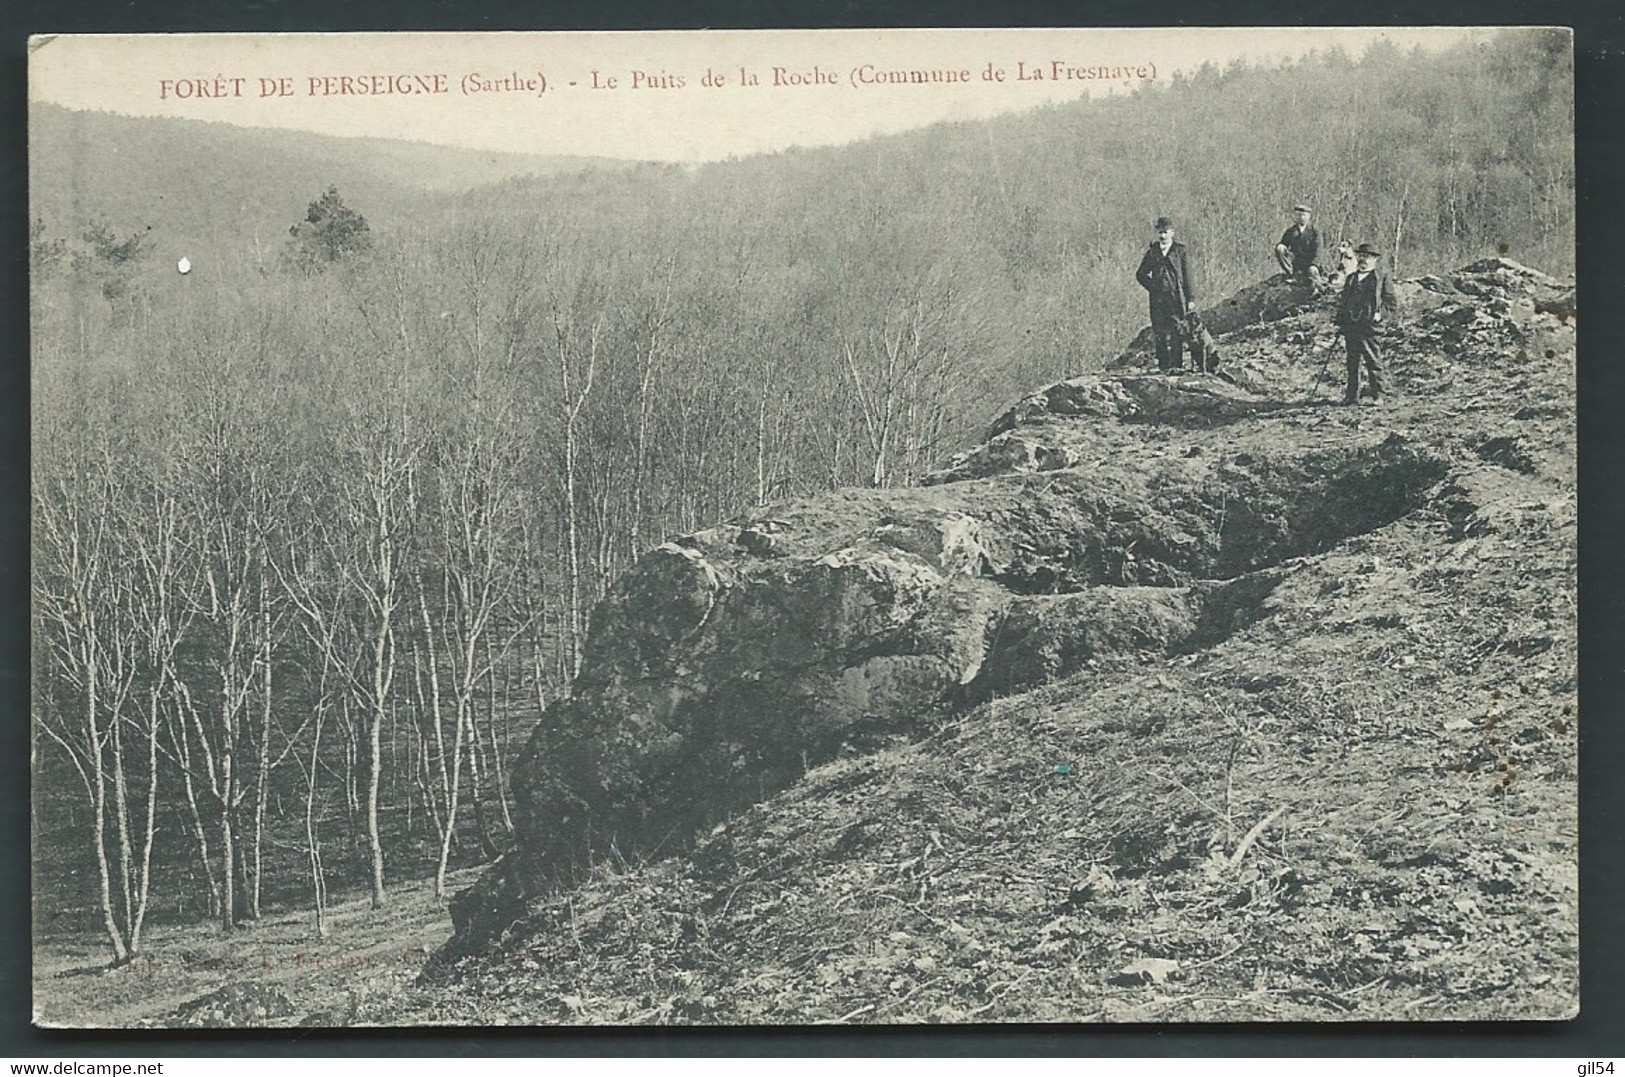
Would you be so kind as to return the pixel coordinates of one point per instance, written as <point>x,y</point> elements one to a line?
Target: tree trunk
<point>104,892</point>
<point>313,845</point>
<point>374,778</point>
<point>476,772</point>
<point>422,778</point>
<point>453,795</point>
<point>761,438</point>
<point>382,662</point>
<point>573,539</point>
<point>183,752</point>
<point>448,776</point>
<point>226,786</point>
<point>499,738</point>
<point>262,786</point>
<point>228,853</point>
<point>121,820</point>
<point>150,828</point>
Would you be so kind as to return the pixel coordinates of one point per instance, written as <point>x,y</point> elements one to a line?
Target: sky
<point>670,96</point>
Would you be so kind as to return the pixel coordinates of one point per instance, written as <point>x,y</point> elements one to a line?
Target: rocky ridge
<point>1134,575</point>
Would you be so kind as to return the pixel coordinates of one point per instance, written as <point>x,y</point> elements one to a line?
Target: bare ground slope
<point>1269,712</point>
<point>1346,791</point>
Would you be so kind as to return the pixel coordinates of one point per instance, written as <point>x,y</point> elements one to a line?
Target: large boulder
<point>724,665</point>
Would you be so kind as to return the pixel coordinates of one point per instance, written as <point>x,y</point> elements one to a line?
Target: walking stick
<point>1314,394</point>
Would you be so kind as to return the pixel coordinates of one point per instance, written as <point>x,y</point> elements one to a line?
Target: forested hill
<point>1033,222</point>
<point>203,185</point>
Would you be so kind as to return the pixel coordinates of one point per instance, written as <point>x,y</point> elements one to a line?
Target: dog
<point>1343,267</point>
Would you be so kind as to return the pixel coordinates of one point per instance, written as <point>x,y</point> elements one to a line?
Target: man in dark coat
<point>1165,273</point>
<point>1368,298</point>
<point>1299,247</point>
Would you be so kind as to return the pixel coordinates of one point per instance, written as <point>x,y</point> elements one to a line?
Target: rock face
<point>727,664</point>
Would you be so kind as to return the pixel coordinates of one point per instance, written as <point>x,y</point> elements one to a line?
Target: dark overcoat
<point>1167,277</point>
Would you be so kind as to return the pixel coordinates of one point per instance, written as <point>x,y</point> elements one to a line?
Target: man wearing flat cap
<point>1299,247</point>
<point>1165,273</point>
<point>1368,298</point>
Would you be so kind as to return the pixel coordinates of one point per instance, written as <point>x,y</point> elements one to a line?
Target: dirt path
<point>365,949</point>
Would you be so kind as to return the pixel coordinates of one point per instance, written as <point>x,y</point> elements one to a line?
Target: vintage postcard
<point>777,528</point>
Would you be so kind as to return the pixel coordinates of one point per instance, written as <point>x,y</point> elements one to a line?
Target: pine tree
<point>331,231</point>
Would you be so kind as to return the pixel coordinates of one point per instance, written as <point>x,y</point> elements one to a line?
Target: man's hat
<point>1366,248</point>
<point>1301,209</point>
<point>1164,222</point>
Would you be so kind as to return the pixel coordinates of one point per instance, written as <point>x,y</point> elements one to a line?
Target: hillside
<point>1305,749</point>
<point>205,186</point>
<point>1190,698</point>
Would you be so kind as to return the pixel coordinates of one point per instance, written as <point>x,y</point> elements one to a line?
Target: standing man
<point>1299,247</point>
<point>1166,274</point>
<point>1368,297</point>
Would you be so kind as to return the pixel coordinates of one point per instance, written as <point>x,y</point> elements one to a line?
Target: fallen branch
<point>1253,834</point>
<point>1336,1001</point>
<point>916,989</point>
<point>914,908</point>
<point>1228,1000</point>
<point>846,1017</point>
<point>743,882</point>
<point>1220,957</point>
<point>1368,985</point>
<point>994,999</point>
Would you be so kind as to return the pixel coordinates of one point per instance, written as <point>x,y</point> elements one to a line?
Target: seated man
<point>1299,247</point>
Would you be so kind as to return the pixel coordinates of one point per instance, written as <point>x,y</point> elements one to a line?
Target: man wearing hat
<point>1166,274</point>
<point>1368,297</point>
<point>1299,247</point>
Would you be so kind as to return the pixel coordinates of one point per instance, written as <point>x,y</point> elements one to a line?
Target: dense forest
<point>317,524</point>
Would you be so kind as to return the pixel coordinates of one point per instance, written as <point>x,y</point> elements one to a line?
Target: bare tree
<point>78,594</point>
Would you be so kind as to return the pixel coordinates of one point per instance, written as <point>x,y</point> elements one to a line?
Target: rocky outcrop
<point>1267,301</point>
<point>726,664</point>
<point>1508,289</point>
